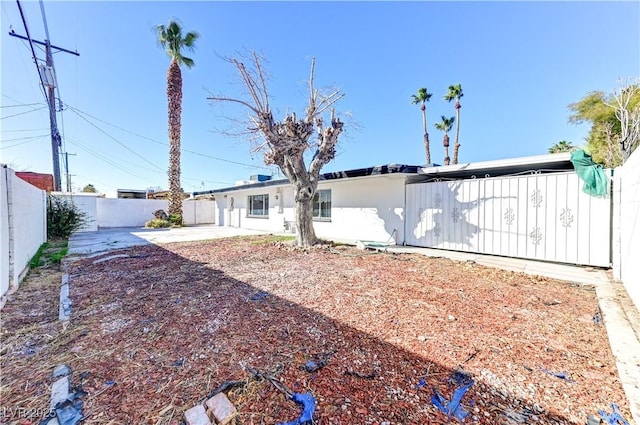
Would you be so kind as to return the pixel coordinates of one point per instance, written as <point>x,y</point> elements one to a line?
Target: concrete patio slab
<point>118,238</point>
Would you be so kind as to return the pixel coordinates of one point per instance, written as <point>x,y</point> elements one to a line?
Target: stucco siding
<point>24,215</point>
<point>364,208</point>
<point>626,226</point>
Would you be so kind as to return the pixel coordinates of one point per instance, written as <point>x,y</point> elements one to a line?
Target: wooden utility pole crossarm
<point>48,81</point>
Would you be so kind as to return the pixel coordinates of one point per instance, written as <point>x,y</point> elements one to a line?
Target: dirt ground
<point>157,329</point>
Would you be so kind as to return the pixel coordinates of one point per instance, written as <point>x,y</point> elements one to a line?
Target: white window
<point>258,206</point>
<point>322,205</point>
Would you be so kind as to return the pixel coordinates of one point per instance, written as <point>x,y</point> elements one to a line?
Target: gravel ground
<point>157,329</point>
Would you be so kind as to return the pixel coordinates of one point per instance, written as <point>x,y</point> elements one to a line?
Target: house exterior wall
<point>23,227</point>
<point>626,226</point>
<point>362,208</point>
<point>198,212</point>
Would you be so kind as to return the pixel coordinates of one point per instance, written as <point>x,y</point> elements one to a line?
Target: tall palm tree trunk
<point>426,133</point>
<point>445,143</point>
<point>174,95</point>
<point>456,145</point>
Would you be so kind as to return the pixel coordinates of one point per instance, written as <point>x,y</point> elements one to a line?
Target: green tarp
<point>595,179</point>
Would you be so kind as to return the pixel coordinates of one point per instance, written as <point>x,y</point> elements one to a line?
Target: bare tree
<point>285,142</point>
<point>627,108</point>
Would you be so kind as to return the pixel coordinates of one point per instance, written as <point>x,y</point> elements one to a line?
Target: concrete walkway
<point>125,237</point>
<point>619,314</point>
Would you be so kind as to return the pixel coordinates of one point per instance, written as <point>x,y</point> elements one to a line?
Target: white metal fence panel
<point>541,216</point>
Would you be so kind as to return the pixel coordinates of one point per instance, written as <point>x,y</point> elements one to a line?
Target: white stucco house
<point>530,207</point>
<point>351,205</point>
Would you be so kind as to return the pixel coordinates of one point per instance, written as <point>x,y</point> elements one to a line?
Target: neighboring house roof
<point>502,167</point>
<point>39,180</point>
<point>357,172</point>
<point>164,194</point>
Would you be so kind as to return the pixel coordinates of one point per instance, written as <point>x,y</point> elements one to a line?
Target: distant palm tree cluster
<point>445,125</point>
<point>562,146</point>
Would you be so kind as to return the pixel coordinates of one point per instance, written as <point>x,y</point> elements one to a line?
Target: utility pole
<point>48,81</point>
<point>56,140</point>
<point>66,170</point>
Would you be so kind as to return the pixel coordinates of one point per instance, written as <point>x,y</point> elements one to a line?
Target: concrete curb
<point>623,341</point>
<point>64,312</point>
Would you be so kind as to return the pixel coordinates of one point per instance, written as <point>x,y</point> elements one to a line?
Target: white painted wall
<point>85,202</point>
<point>626,226</point>
<point>543,217</point>
<point>198,212</point>
<point>24,214</point>
<point>4,234</point>
<point>365,208</point>
<point>362,208</point>
<point>116,212</point>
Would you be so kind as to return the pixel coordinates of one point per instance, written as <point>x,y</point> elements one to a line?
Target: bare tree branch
<point>628,116</point>
<point>285,142</point>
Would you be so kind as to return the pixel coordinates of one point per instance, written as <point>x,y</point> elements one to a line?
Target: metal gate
<point>540,216</point>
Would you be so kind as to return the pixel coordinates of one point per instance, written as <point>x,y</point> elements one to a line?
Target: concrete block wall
<point>118,212</point>
<point>23,228</point>
<point>626,226</point>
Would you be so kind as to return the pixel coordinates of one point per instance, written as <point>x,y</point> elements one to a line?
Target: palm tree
<point>421,98</point>
<point>561,146</point>
<point>445,125</point>
<point>172,40</point>
<point>455,92</point>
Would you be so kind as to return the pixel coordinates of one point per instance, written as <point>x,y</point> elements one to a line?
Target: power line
<point>118,142</point>
<point>22,129</point>
<point>49,86</point>
<point>35,139</point>
<point>20,106</point>
<point>23,138</point>
<point>76,110</point>
<point>22,113</point>
<point>104,159</point>
<point>116,162</point>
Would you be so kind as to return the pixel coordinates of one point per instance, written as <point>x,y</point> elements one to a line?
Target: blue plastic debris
<point>421,383</point>
<point>109,383</point>
<point>597,318</point>
<point>460,377</point>
<point>453,407</point>
<point>308,403</point>
<point>69,411</point>
<point>561,375</point>
<point>259,296</point>
<point>615,417</point>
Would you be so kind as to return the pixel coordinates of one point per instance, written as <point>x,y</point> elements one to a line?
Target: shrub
<point>161,215</point>
<point>175,219</point>
<point>157,223</point>
<point>63,217</point>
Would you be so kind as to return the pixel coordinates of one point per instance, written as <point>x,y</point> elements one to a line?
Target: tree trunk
<point>456,145</point>
<point>174,96</point>
<point>445,143</point>
<point>426,134</point>
<point>303,195</point>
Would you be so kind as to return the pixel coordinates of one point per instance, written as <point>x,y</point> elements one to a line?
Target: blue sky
<point>520,65</point>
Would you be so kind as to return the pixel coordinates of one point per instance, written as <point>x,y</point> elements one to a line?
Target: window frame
<point>317,205</point>
<point>251,212</point>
